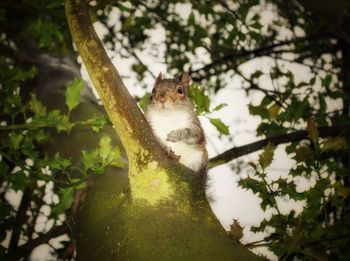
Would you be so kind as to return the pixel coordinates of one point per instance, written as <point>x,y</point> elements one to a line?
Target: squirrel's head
<point>170,92</point>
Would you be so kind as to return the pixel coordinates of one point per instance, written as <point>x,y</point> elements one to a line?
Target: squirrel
<point>175,124</point>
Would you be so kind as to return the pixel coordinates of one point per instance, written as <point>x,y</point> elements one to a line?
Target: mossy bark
<point>159,211</point>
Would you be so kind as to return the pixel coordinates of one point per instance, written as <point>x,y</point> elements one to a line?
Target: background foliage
<point>213,43</point>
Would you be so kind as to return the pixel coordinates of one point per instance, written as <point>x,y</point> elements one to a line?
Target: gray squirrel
<point>174,122</point>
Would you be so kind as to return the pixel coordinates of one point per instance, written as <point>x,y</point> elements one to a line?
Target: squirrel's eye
<point>154,90</point>
<point>180,90</point>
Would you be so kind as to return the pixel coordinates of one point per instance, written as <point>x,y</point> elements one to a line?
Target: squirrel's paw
<point>173,136</point>
<point>171,154</point>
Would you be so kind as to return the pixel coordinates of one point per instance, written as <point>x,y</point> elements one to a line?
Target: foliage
<point>214,42</point>
<point>26,127</point>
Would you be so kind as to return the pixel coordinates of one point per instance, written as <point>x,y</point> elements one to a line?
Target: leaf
<point>73,93</point>
<point>273,111</point>
<point>200,99</point>
<point>66,200</point>
<point>220,106</point>
<point>58,162</point>
<point>15,140</point>
<point>37,107</point>
<point>191,19</point>
<point>312,130</point>
<point>326,81</point>
<point>336,143</point>
<point>19,181</point>
<point>341,190</point>
<point>220,126</point>
<point>104,147</point>
<point>302,154</point>
<point>114,158</point>
<point>236,231</point>
<point>64,124</point>
<point>266,157</point>
<point>78,184</point>
<point>258,111</point>
<point>144,101</point>
<point>89,158</point>
<point>323,104</point>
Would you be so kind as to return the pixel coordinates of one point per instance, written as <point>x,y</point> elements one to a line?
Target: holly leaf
<point>236,231</point>
<point>200,99</point>
<point>273,111</point>
<point>64,124</point>
<point>73,93</point>
<point>302,154</point>
<point>220,106</point>
<point>104,147</point>
<point>220,126</point>
<point>336,143</point>
<point>89,158</point>
<point>37,107</point>
<point>266,157</point>
<point>66,199</point>
<point>312,130</point>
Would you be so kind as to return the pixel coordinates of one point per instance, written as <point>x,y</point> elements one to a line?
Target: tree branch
<point>20,219</point>
<point>26,249</point>
<point>127,118</point>
<point>249,54</point>
<point>237,152</point>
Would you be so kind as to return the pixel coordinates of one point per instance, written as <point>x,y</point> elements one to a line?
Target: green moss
<point>150,183</point>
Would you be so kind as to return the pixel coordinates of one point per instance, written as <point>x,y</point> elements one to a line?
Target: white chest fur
<point>165,121</point>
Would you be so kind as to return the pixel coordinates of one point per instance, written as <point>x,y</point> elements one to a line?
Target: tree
<point>49,129</point>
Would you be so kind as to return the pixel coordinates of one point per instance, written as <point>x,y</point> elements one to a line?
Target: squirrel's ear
<point>160,77</point>
<point>185,79</point>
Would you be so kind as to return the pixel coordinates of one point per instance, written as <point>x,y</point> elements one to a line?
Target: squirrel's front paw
<point>171,154</point>
<point>173,136</point>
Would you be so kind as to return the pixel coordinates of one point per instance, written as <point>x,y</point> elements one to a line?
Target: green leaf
<point>15,140</point>
<point>220,126</point>
<point>336,143</point>
<point>66,199</point>
<point>144,101</point>
<point>200,99</point>
<point>273,111</point>
<point>78,184</point>
<point>302,154</point>
<point>64,124</point>
<point>258,111</point>
<point>191,19</point>
<point>58,162</point>
<point>89,158</point>
<point>323,104</point>
<point>326,81</point>
<point>19,181</point>
<point>73,93</point>
<point>22,75</point>
<point>104,148</point>
<point>114,158</point>
<point>312,130</point>
<point>341,190</point>
<point>266,157</point>
<point>220,106</point>
<point>37,107</point>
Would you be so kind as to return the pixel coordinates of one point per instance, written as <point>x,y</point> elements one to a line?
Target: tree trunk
<point>159,210</point>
